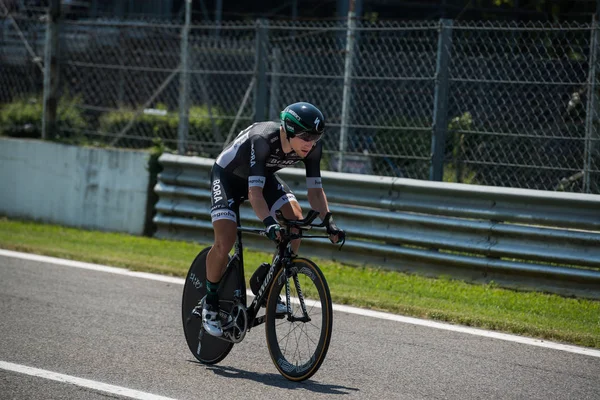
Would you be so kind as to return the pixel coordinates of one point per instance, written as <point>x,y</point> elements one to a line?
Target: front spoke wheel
<point>299,342</point>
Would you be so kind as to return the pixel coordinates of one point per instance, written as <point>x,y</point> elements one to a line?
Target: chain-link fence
<point>501,103</point>
<point>21,56</point>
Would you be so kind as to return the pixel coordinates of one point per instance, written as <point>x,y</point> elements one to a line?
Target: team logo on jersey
<point>230,202</point>
<point>275,162</point>
<point>252,156</point>
<point>216,191</point>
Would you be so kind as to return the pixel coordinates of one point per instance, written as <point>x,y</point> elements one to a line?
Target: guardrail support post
<point>440,105</point>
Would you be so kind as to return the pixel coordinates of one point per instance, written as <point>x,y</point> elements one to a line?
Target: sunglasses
<point>308,137</point>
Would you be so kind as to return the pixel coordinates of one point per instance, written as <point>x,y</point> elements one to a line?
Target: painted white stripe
<point>89,266</point>
<point>341,308</point>
<point>103,387</point>
<point>471,331</point>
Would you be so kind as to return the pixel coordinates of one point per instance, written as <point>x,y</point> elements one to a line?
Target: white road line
<point>341,308</point>
<point>103,387</point>
<point>89,266</point>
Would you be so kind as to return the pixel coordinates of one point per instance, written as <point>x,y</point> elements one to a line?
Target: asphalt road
<point>126,332</point>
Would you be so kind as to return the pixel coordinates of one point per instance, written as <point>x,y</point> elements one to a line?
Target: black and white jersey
<point>256,153</point>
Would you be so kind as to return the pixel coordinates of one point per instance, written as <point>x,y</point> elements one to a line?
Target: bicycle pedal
<point>197,311</point>
<point>227,320</point>
<point>228,326</point>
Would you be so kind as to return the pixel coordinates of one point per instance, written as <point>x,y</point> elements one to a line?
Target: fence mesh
<point>21,55</point>
<point>520,110</point>
<point>520,96</point>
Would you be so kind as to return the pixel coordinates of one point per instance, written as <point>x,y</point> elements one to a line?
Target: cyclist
<point>246,170</point>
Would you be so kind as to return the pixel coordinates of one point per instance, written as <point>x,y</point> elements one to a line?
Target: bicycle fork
<point>305,318</point>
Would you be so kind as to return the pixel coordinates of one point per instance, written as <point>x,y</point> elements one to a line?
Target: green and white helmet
<point>303,120</point>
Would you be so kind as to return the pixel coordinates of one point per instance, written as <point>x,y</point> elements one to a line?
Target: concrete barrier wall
<point>102,189</point>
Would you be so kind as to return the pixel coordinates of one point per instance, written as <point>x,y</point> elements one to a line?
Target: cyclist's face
<point>301,146</point>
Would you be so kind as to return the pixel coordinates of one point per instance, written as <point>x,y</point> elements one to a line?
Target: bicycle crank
<point>236,330</point>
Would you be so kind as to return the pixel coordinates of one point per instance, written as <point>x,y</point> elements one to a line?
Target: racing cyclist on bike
<point>246,170</point>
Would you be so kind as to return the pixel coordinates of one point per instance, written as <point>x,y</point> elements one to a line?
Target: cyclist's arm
<point>315,193</point>
<point>258,202</point>
<point>259,151</point>
<point>318,201</point>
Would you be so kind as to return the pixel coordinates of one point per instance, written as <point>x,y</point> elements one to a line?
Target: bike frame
<point>282,258</point>
<point>236,266</point>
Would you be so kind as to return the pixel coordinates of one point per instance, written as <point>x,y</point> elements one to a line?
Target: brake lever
<point>342,244</point>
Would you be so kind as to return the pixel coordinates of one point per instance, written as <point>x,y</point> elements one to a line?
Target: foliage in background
<point>405,148</point>
<point>404,145</point>
<point>23,117</point>
<point>455,169</point>
<point>163,124</point>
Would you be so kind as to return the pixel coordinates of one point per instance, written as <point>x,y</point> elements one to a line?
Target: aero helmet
<point>303,120</point>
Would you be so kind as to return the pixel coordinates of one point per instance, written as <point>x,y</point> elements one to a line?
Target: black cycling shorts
<point>228,191</point>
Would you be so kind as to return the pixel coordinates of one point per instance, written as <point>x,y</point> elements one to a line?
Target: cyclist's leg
<point>279,196</point>
<point>224,226</point>
<point>224,221</point>
<point>292,210</point>
<point>216,260</point>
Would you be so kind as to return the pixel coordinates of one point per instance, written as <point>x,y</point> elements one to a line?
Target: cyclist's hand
<point>272,228</point>
<point>273,232</point>
<point>336,235</point>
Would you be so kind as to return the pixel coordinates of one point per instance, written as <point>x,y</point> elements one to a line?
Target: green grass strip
<point>533,314</point>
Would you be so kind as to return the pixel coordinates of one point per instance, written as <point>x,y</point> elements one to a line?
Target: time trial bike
<point>298,339</point>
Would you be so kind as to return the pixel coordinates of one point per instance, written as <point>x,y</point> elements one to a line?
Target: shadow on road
<point>277,380</point>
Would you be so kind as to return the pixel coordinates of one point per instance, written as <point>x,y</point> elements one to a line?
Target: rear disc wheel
<point>206,348</point>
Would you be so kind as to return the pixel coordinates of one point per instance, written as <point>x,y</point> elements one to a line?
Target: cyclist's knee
<point>225,234</point>
<point>296,209</point>
<point>223,244</point>
<point>222,247</point>
<point>292,210</point>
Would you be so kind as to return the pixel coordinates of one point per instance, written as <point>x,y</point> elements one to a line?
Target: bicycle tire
<point>212,349</point>
<point>282,334</point>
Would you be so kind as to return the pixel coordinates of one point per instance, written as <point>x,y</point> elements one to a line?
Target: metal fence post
<point>440,105</point>
<point>260,70</point>
<point>184,83</point>
<point>218,18</point>
<point>51,72</point>
<point>590,126</point>
<point>274,106</point>
<point>122,69</point>
<point>347,91</point>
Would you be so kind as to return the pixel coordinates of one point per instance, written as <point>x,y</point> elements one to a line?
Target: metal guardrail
<point>516,237</point>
